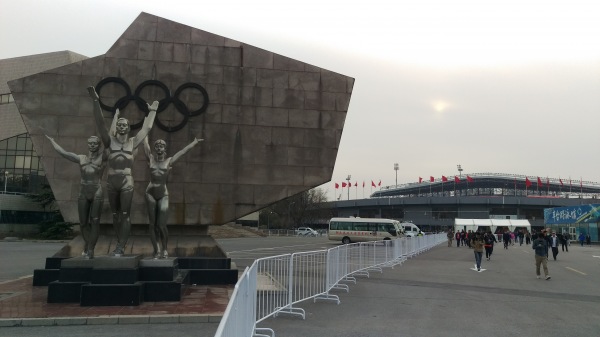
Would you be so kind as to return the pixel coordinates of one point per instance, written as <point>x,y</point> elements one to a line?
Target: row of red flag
<point>457,180</point>
<point>528,182</point>
<point>445,179</point>
<point>349,184</point>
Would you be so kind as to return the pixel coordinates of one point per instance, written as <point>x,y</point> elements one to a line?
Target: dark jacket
<point>540,245</point>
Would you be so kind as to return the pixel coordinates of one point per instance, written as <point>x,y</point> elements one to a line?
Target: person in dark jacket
<point>506,239</point>
<point>489,239</point>
<point>588,240</point>
<point>540,245</point>
<point>563,242</point>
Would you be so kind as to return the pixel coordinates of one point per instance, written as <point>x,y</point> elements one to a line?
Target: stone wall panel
<point>272,127</point>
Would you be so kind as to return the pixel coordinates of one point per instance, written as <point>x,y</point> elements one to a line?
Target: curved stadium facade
<point>435,205</point>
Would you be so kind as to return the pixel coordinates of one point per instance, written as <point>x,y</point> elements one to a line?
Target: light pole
<point>459,170</point>
<point>5,180</point>
<point>396,167</point>
<point>349,176</point>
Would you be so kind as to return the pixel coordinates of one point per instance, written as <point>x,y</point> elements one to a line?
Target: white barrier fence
<point>274,285</point>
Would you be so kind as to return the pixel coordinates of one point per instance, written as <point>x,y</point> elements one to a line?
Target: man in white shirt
<point>554,242</point>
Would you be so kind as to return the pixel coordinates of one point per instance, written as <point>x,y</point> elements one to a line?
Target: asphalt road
<point>434,294</point>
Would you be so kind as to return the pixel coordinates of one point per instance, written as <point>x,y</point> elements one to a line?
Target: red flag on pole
<point>527,182</point>
<point>561,183</point>
<point>373,183</point>
<point>356,184</point>
<point>337,186</point>
<point>431,179</point>
<point>343,185</point>
<point>379,183</point>
<point>469,179</point>
<point>444,179</point>
<point>456,180</point>
<point>540,182</point>
<point>420,180</point>
<point>363,184</point>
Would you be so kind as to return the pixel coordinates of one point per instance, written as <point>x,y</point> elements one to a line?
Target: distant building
<point>21,171</point>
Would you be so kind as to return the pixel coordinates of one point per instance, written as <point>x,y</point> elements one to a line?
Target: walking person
<point>450,236</point>
<point>527,238</point>
<point>506,239</point>
<point>521,237</point>
<point>588,240</point>
<point>564,243</point>
<point>581,239</point>
<point>457,237</point>
<point>489,239</point>
<point>554,242</point>
<point>477,244</point>
<point>541,258</point>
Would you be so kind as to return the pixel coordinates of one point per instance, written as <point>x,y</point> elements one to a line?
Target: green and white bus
<point>350,230</point>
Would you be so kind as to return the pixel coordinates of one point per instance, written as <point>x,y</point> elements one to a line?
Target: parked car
<point>306,231</point>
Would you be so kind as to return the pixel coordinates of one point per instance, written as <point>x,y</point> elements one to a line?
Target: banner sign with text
<point>572,214</point>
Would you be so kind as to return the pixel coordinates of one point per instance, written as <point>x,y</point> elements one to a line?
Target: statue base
<point>134,277</point>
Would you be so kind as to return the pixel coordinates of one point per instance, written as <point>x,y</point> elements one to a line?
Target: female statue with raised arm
<point>157,195</point>
<point>91,195</point>
<point>121,150</point>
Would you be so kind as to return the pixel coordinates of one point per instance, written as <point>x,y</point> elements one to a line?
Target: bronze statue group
<point>118,155</point>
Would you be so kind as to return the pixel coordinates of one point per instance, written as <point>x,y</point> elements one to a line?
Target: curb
<point>111,320</point>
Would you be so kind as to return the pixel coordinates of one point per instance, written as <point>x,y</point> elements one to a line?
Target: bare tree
<point>302,208</point>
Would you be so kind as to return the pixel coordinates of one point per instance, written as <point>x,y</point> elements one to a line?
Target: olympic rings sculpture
<point>167,99</point>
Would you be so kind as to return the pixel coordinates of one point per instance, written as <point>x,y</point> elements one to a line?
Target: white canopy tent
<point>473,224</point>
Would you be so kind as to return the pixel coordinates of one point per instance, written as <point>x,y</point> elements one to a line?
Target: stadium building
<point>434,204</point>
<point>21,172</point>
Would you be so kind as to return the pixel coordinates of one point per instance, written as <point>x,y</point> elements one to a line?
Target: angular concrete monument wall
<point>272,125</point>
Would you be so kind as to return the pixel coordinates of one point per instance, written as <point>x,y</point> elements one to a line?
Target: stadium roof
<point>486,184</point>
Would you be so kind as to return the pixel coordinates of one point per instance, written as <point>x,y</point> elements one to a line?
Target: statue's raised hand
<point>154,106</point>
<point>93,94</point>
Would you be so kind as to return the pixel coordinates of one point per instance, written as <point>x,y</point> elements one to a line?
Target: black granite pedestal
<point>135,277</point>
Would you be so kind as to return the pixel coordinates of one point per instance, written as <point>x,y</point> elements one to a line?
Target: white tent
<point>520,223</point>
<point>466,224</point>
<point>473,224</point>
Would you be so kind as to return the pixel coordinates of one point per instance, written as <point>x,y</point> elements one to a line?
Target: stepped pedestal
<point>129,279</point>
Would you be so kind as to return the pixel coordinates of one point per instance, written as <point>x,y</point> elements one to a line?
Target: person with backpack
<point>540,246</point>
<point>489,239</point>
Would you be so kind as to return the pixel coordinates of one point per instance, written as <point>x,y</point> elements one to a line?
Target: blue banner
<point>572,214</point>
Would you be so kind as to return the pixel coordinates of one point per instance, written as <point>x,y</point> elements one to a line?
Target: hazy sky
<point>496,86</point>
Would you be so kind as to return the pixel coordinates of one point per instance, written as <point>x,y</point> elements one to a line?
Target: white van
<point>363,229</point>
<point>410,229</point>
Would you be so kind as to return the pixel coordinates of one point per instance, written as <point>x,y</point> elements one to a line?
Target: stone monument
<point>272,125</point>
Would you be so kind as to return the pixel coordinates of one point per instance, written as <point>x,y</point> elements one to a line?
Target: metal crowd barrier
<point>274,285</point>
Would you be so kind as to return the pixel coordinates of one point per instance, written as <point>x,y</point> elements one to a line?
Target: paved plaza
<point>434,294</point>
